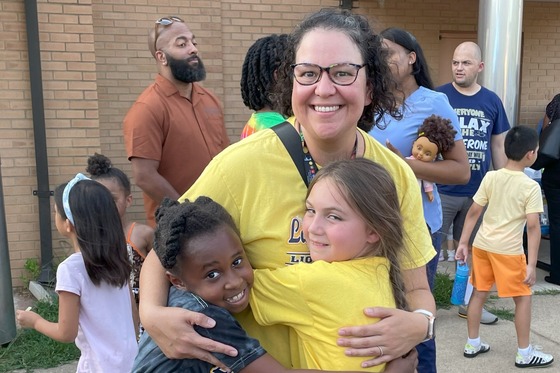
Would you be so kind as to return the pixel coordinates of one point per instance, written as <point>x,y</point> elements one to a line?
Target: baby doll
<point>435,135</point>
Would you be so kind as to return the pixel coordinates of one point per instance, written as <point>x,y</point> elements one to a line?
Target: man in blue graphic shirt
<point>484,125</point>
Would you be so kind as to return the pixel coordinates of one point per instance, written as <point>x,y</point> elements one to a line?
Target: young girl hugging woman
<point>435,135</point>
<point>354,231</point>
<point>139,237</point>
<point>95,301</point>
<point>199,245</point>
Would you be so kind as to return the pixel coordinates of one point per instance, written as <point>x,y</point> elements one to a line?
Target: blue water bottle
<point>460,284</point>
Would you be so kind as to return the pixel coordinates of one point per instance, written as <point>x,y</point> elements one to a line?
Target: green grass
<point>442,290</point>
<point>503,313</point>
<point>32,350</point>
<point>547,292</point>
<point>506,313</point>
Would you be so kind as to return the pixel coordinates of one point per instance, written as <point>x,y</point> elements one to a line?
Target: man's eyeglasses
<point>164,21</point>
<point>339,73</point>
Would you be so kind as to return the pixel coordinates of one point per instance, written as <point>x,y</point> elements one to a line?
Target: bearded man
<point>176,126</point>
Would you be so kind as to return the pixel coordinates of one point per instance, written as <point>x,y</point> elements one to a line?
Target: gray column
<point>7,313</point>
<point>499,37</point>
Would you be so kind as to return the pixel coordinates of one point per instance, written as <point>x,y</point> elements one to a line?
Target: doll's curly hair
<point>439,131</point>
<point>179,223</point>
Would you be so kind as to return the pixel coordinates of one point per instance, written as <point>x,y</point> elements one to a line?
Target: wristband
<point>430,333</point>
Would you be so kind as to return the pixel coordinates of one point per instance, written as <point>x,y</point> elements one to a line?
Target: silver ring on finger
<point>380,351</point>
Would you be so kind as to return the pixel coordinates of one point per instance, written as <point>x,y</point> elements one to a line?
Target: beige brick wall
<point>541,59</point>
<point>541,41</point>
<point>224,31</point>
<point>95,62</point>
<point>425,20</point>
<point>70,110</point>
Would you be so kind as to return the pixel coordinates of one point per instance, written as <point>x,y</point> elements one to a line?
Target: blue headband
<point>66,194</point>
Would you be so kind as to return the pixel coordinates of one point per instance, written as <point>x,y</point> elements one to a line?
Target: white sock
<point>525,351</point>
<point>474,342</point>
<point>469,291</point>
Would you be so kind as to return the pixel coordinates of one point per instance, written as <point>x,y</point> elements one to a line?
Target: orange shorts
<point>507,271</point>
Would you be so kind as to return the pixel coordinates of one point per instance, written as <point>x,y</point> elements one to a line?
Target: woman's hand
<point>173,332</point>
<point>395,334</point>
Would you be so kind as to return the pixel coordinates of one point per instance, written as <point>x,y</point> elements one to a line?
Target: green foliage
<point>32,350</point>
<point>503,313</point>
<point>32,271</point>
<point>442,290</point>
<point>547,292</point>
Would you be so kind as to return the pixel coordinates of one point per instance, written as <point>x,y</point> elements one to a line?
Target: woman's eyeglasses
<point>339,73</point>
<point>164,21</point>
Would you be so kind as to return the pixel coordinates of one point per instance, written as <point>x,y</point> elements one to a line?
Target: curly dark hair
<point>439,131</point>
<point>179,223</point>
<point>257,75</point>
<point>378,74</point>
<point>100,167</point>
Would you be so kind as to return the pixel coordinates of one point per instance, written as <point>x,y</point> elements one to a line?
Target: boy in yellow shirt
<point>512,200</point>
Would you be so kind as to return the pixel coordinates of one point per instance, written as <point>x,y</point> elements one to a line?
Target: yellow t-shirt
<point>510,196</point>
<point>257,182</point>
<point>317,299</point>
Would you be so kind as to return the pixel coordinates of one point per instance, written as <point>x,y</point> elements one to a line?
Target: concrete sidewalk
<point>451,332</point>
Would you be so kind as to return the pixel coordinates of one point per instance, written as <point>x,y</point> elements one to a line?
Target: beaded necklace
<point>310,165</point>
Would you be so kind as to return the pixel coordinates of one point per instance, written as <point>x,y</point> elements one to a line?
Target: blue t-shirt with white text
<point>481,116</point>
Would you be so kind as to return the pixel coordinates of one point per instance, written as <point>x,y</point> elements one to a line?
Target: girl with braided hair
<point>435,135</point>
<point>257,79</point>
<point>199,245</point>
<point>354,230</point>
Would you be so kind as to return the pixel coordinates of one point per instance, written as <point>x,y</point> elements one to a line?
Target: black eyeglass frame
<point>327,69</point>
<point>164,21</point>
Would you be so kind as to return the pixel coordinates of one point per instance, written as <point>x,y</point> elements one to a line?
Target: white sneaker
<point>450,255</point>
<point>441,258</point>
<point>471,351</point>
<point>535,359</point>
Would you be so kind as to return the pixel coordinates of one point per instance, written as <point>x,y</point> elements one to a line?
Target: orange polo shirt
<point>183,135</point>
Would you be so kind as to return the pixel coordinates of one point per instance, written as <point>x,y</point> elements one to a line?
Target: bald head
<point>468,48</point>
<point>173,46</point>
<point>467,64</point>
<point>166,31</point>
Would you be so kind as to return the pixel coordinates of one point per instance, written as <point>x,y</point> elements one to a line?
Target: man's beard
<point>183,71</point>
